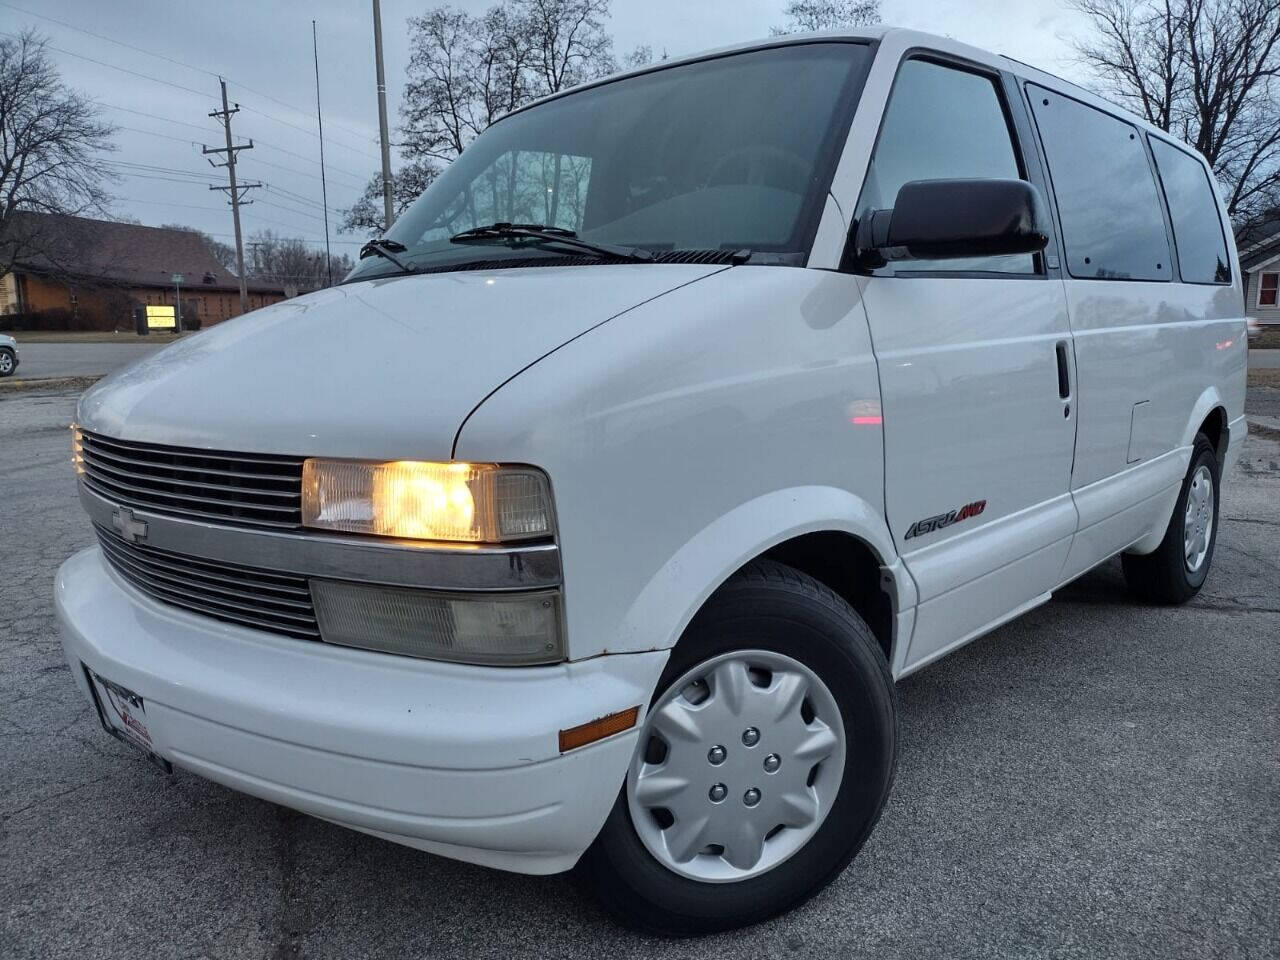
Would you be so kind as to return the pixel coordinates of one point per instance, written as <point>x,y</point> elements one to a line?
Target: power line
<point>234,190</point>
<point>203,128</point>
<point>317,240</point>
<point>309,133</point>
<point>167,59</point>
<point>260,143</point>
<point>112,66</point>
<point>98,36</point>
<point>152,133</point>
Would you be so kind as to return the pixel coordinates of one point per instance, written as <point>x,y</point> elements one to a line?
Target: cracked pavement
<point>1095,779</point>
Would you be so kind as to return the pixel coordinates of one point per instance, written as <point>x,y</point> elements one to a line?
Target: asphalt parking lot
<point>40,360</point>
<point>1097,779</point>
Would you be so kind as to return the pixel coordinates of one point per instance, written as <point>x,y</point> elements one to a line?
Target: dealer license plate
<point>124,715</point>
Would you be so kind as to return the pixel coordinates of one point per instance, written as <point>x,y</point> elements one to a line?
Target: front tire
<point>1176,571</point>
<point>8,362</point>
<point>765,760</point>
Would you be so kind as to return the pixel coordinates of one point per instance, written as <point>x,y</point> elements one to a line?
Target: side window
<point>1197,229</point>
<point>1112,224</point>
<point>942,123</point>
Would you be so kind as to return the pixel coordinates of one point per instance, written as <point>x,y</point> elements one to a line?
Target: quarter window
<point>1197,230</point>
<point>942,124</point>
<point>1112,225</point>
<point>1268,284</point>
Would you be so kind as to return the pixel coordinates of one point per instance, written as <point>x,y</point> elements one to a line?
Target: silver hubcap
<point>739,763</point>
<point>1197,522</point>
<point>6,363</point>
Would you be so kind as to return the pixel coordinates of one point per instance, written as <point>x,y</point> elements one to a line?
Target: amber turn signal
<point>598,729</point>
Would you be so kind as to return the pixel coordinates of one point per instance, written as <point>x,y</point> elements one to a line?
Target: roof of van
<point>899,36</point>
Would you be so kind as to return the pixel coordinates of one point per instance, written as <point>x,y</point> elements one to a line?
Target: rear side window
<point>942,123</point>
<point>1197,230</point>
<point>1112,224</point>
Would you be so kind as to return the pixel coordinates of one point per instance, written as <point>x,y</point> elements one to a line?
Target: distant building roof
<point>1259,243</point>
<point>127,254</point>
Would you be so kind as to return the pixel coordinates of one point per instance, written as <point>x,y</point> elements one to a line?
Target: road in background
<point>77,359</point>
<point>1096,779</point>
<point>1264,359</point>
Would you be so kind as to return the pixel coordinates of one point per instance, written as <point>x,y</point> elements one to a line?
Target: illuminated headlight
<point>503,629</point>
<point>465,502</point>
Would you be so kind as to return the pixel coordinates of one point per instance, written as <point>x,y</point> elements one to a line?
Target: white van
<point>592,519</point>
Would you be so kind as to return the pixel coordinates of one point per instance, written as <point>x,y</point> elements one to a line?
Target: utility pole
<point>324,189</point>
<point>236,190</point>
<point>388,207</point>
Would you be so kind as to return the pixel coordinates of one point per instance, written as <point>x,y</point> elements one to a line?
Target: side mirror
<point>937,219</point>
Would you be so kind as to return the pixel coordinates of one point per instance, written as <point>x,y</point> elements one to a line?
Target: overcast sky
<point>264,51</point>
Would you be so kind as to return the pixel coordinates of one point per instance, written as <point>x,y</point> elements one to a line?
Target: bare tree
<point>368,213</point>
<point>467,71</point>
<point>568,40</point>
<point>1205,70</point>
<point>50,138</point>
<point>224,253</point>
<point>289,262</point>
<point>804,16</point>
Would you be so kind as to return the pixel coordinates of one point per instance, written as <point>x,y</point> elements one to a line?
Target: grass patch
<point>1264,378</point>
<point>1268,339</point>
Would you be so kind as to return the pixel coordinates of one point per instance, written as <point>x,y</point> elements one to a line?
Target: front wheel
<point>8,363</point>
<point>1177,569</point>
<point>763,764</point>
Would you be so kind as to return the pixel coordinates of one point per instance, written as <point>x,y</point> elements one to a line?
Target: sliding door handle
<point>1064,371</point>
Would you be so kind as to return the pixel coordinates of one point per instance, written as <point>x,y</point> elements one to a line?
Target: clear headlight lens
<point>503,629</point>
<point>466,502</point>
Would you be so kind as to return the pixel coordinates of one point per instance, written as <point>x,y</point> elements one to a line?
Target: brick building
<point>93,274</point>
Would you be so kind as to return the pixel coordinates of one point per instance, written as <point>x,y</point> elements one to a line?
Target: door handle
<point>1064,372</point>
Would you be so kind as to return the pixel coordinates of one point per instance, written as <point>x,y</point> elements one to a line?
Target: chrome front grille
<point>239,489</point>
<point>265,599</point>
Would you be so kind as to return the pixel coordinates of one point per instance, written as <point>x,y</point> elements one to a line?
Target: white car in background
<point>683,414</point>
<point>8,355</point>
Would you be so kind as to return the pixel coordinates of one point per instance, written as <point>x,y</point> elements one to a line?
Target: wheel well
<point>1215,428</point>
<point>850,568</point>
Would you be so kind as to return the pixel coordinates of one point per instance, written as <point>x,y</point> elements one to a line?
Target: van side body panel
<point>690,435</point>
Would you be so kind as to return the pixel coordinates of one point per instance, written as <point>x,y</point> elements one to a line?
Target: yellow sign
<point>160,317</point>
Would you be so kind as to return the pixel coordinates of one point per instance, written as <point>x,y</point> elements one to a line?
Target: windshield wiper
<point>543,234</point>
<point>387,249</point>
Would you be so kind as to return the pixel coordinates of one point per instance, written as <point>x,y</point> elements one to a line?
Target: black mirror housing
<point>939,219</point>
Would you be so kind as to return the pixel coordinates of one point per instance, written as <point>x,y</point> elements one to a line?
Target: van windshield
<point>727,154</point>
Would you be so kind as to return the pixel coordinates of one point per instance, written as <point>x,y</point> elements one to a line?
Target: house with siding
<point>83,274</point>
<point>1259,250</point>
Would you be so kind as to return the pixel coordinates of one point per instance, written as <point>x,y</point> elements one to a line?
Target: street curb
<point>54,383</point>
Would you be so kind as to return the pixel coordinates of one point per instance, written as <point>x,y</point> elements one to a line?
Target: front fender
<point>671,598</point>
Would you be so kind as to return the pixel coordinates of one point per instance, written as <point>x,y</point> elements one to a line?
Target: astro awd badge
<point>930,524</point>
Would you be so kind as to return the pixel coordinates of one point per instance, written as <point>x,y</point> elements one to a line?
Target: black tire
<point>1164,576</point>
<point>7,368</point>
<point>766,606</point>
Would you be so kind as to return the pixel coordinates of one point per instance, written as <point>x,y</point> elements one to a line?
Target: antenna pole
<point>324,188</point>
<point>387,205</point>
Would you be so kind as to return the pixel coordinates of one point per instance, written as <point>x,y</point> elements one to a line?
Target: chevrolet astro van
<point>589,523</point>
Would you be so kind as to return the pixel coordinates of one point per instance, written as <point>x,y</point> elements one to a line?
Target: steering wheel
<point>758,160</point>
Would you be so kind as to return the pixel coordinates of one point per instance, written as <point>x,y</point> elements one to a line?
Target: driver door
<point>979,430</point>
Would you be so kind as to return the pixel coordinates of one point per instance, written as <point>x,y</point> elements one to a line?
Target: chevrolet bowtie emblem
<point>127,525</point>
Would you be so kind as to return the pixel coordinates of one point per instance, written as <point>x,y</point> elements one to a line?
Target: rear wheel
<point>764,762</point>
<point>1177,569</point>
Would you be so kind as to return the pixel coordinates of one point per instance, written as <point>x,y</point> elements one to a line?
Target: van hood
<point>381,369</point>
